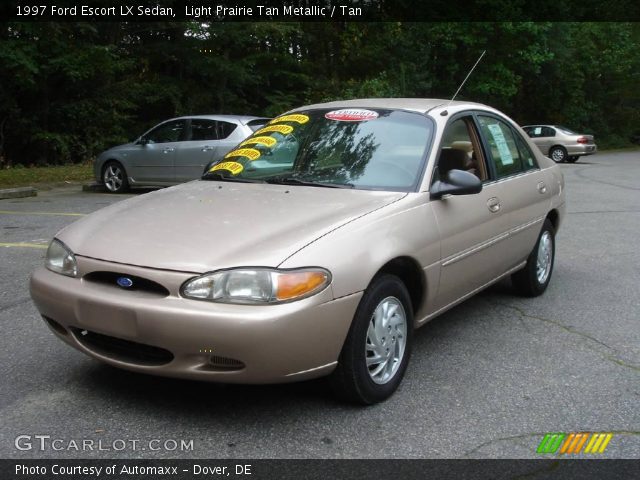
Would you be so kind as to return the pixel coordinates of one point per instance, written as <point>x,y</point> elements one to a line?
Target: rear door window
<point>508,157</point>
<point>202,129</point>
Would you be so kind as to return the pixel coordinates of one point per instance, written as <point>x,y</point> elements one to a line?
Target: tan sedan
<point>314,248</point>
<point>561,144</point>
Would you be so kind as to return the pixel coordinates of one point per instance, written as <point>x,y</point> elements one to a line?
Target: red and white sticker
<point>351,115</point>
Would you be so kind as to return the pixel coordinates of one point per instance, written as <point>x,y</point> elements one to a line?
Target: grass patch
<point>32,176</point>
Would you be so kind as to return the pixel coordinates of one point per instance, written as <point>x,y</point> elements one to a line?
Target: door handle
<point>542,188</point>
<point>493,204</point>
<point>207,148</point>
<point>168,150</point>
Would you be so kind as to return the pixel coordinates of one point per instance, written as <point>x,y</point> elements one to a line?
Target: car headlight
<point>256,285</point>
<point>60,259</point>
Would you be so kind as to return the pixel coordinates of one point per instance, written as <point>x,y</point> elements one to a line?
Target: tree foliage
<point>70,90</point>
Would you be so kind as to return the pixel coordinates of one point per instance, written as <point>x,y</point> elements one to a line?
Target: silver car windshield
<point>353,148</point>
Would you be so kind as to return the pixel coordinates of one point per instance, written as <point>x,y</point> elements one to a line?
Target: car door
<point>201,146</point>
<point>153,157</point>
<point>546,139</point>
<point>471,227</point>
<point>526,190</point>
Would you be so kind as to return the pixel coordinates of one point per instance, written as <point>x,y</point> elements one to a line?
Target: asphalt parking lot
<point>487,379</point>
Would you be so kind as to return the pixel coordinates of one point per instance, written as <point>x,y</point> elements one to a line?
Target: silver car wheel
<point>113,178</point>
<point>386,340</point>
<point>544,259</point>
<point>557,155</point>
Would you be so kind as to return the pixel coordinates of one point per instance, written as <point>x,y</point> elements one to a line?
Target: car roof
<point>421,105</point>
<point>244,119</point>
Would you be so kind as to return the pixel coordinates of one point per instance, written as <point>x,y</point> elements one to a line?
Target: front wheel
<point>558,154</point>
<point>115,178</point>
<point>533,279</point>
<point>376,352</point>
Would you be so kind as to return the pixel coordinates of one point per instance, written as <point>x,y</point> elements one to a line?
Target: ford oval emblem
<point>125,282</point>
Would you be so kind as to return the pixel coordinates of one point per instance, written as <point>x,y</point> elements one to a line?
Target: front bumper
<point>199,340</point>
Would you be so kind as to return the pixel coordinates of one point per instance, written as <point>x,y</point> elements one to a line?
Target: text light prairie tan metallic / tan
<point>409,206</point>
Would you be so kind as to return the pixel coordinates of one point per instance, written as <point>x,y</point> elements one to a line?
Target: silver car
<point>314,248</point>
<point>174,151</point>
<point>559,143</point>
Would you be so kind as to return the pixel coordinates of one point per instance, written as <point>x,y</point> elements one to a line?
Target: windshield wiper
<point>226,178</point>
<point>305,183</point>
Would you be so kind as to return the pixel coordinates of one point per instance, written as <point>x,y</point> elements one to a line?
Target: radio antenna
<point>465,79</point>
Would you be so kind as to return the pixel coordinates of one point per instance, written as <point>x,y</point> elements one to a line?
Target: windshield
<point>356,148</point>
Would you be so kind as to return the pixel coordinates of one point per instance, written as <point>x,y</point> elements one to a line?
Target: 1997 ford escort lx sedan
<point>315,247</point>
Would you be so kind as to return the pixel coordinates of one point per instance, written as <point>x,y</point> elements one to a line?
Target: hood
<point>206,225</point>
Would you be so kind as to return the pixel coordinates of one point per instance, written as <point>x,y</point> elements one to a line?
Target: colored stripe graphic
<point>550,443</point>
<point>598,443</point>
<point>572,443</point>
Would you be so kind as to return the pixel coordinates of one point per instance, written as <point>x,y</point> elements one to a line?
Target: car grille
<point>139,284</point>
<point>122,350</point>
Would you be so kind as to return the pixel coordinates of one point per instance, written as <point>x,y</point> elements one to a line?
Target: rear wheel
<point>114,177</point>
<point>376,352</point>
<point>533,279</point>
<point>558,154</point>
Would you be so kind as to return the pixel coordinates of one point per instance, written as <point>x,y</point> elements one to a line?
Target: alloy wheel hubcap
<point>113,178</point>
<point>386,340</point>
<point>545,257</point>
<point>557,155</point>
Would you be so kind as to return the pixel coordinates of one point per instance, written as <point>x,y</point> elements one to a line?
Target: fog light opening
<point>224,363</point>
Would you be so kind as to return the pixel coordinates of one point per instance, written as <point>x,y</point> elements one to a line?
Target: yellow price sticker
<point>234,167</point>
<point>267,141</point>
<point>250,153</point>
<point>283,129</point>
<point>297,117</point>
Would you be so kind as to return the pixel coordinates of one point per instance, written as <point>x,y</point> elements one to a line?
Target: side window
<point>528,159</point>
<point>225,129</point>
<point>460,149</point>
<point>548,132</point>
<point>203,129</point>
<point>502,146</point>
<point>167,132</point>
<point>257,123</point>
<point>534,132</point>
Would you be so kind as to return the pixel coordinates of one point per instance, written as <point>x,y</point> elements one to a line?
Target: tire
<point>533,279</point>
<point>114,177</point>
<point>573,159</point>
<point>558,154</point>
<point>359,378</point>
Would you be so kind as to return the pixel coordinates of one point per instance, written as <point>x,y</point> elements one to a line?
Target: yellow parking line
<point>13,212</point>
<point>24,245</point>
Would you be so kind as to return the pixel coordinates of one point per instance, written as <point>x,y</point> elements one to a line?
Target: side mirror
<point>142,141</point>
<point>456,182</point>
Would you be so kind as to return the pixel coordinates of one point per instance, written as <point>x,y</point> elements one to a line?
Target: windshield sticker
<point>250,153</point>
<point>351,115</point>
<point>266,141</point>
<point>234,167</point>
<point>283,129</point>
<point>299,118</point>
<point>505,154</point>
